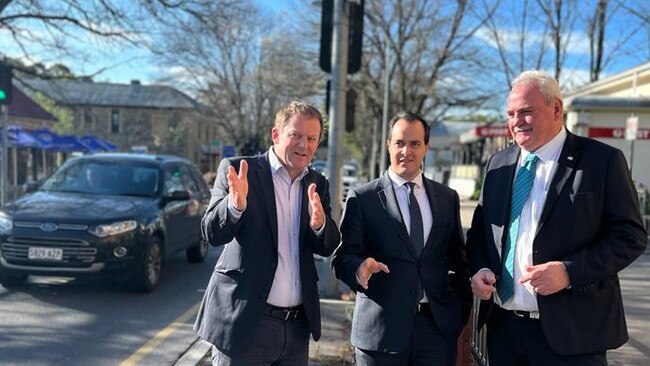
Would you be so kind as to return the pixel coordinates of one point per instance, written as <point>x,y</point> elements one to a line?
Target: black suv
<point>115,214</point>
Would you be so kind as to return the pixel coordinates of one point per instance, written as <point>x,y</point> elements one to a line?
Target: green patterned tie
<point>520,192</point>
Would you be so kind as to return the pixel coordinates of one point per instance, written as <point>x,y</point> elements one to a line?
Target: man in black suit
<point>557,219</point>
<point>272,214</point>
<point>402,251</point>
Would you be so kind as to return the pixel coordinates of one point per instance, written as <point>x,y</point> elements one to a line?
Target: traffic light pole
<point>337,120</point>
<point>337,105</point>
<point>4,160</point>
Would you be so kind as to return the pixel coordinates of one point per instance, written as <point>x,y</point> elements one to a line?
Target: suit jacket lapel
<point>389,201</point>
<point>505,182</point>
<point>266,183</point>
<point>565,166</point>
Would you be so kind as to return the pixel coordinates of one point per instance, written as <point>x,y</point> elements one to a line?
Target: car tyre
<point>198,252</point>
<point>147,275</point>
<point>8,280</point>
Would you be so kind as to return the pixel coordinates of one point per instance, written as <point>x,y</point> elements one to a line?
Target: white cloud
<point>578,42</point>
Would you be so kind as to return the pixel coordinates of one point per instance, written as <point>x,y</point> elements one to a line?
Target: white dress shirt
<point>286,289</point>
<point>525,297</point>
<point>401,192</point>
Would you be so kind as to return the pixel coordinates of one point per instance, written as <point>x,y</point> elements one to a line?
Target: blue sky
<point>123,63</point>
<point>120,63</point>
<point>136,63</point>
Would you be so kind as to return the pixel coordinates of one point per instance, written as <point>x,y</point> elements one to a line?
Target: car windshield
<point>102,177</point>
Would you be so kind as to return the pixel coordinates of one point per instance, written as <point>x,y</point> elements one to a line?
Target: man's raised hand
<point>238,185</point>
<point>316,211</point>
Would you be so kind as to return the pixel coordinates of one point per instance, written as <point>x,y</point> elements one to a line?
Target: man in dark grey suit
<point>402,251</point>
<point>557,219</point>
<point>272,214</point>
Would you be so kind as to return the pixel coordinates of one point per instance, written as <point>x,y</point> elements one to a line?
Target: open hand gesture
<point>238,185</point>
<point>367,268</point>
<point>317,219</point>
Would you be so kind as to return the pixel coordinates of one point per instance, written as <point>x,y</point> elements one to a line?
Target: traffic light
<point>355,35</point>
<point>5,84</point>
<point>350,104</point>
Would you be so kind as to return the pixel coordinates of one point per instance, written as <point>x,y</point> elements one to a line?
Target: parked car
<point>349,175</point>
<point>119,215</point>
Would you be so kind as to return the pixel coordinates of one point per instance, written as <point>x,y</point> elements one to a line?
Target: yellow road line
<point>141,353</point>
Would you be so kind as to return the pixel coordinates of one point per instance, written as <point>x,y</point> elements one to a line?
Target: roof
<point>23,106</point>
<point>88,93</point>
<point>598,101</point>
<point>622,80</point>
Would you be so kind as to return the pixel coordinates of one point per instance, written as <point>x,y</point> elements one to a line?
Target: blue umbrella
<point>97,144</point>
<point>109,146</point>
<point>46,137</point>
<point>18,137</point>
<point>68,143</point>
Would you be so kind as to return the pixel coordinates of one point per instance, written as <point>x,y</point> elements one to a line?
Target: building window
<point>115,121</point>
<point>88,119</point>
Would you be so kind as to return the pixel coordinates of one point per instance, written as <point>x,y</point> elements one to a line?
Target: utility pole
<point>384,114</point>
<point>4,160</point>
<point>337,106</point>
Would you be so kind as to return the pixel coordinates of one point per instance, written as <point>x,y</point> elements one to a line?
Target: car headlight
<point>5,223</point>
<point>115,228</point>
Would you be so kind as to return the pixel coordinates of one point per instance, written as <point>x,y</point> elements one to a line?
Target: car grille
<point>37,225</point>
<point>76,253</point>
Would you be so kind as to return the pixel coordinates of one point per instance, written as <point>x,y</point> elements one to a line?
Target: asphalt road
<point>53,321</point>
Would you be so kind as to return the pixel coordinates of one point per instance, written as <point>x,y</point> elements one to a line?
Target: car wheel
<point>8,280</point>
<point>198,252</point>
<point>147,275</point>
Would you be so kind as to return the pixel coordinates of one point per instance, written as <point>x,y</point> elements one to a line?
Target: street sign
<point>617,133</point>
<point>228,151</point>
<point>492,131</point>
<point>631,128</point>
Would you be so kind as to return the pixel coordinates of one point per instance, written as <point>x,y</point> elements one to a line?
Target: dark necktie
<point>520,191</point>
<point>416,228</point>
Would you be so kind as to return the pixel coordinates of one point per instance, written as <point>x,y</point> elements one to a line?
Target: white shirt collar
<point>276,165</point>
<point>399,181</point>
<point>550,149</point>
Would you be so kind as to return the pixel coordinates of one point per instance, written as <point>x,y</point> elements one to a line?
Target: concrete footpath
<point>334,347</point>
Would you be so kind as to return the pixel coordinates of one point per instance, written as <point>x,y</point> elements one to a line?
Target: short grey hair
<point>548,86</point>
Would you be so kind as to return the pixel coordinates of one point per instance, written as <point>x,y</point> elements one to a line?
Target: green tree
<point>64,116</point>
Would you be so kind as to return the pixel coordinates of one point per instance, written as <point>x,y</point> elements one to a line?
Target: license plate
<point>50,254</point>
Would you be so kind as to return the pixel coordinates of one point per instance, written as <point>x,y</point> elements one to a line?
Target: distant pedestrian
<point>272,213</point>
<point>558,218</point>
<point>402,250</point>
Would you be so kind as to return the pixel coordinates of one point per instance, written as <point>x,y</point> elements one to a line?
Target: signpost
<point>617,133</point>
<point>631,130</point>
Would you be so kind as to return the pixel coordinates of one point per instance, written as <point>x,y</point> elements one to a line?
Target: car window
<point>187,180</point>
<point>173,179</point>
<point>104,177</point>
<point>198,180</point>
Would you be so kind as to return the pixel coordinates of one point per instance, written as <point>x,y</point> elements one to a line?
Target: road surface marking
<point>141,353</point>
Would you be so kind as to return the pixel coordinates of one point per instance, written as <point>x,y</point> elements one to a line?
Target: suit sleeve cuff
<point>233,213</point>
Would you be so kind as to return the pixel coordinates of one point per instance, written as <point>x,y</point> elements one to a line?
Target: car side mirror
<point>178,196</point>
<point>31,187</point>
